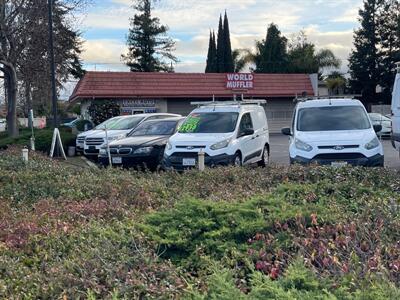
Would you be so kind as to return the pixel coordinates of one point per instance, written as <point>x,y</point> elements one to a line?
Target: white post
<point>108,148</point>
<point>201,160</point>
<point>25,155</point>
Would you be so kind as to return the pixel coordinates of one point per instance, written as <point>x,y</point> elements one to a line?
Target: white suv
<point>336,132</point>
<point>91,141</point>
<point>227,132</point>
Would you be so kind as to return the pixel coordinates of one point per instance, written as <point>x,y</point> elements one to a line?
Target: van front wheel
<point>265,157</point>
<point>237,160</point>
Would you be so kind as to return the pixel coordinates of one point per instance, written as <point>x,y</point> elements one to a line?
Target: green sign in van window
<point>190,124</point>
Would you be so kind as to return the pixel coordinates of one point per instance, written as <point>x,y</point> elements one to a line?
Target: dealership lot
<point>280,154</point>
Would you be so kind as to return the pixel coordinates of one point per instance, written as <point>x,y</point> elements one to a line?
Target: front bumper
<point>175,161</point>
<point>151,161</point>
<point>359,160</point>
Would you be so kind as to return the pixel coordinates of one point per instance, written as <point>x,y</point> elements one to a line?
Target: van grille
<point>337,147</point>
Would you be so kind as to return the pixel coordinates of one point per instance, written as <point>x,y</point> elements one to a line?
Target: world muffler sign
<point>239,81</point>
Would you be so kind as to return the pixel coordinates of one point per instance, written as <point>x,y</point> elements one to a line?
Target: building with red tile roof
<point>173,92</point>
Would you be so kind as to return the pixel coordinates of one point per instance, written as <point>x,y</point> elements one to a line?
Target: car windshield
<point>121,123</point>
<point>155,128</point>
<point>210,122</point>
<point>332,118</point>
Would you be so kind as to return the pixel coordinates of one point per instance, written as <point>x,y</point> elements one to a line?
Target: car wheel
<point>265,157</point>
<point>237,160</point>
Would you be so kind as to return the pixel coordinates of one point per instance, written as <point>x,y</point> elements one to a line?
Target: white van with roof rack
<point>333,132</point>
<point>396,111</point>
<point>229,133</point>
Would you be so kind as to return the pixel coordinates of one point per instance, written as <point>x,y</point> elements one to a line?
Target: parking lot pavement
<point>280,154</point>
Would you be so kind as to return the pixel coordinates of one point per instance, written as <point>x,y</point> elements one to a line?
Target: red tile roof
<point>184,85</point>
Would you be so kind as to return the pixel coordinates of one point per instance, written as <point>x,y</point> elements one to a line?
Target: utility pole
<point>52,64</point>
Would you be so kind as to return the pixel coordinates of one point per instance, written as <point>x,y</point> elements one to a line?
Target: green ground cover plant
<point>242,233</point>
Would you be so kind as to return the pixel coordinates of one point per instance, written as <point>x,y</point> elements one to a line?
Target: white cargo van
<point>333,132</point>
<point>227,132</point>
<point>396,111</point>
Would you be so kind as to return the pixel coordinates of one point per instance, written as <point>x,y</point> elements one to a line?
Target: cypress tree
<point>214,54</point>
<point>210,58</point>
<point>220,47</point>
<point>228,58</point>
<point>364,59</point>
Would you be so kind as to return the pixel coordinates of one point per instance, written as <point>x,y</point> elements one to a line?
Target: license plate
<point>116,160</point>
<point>189,162</point>
<point>338,164</point>
<point>92,147</point>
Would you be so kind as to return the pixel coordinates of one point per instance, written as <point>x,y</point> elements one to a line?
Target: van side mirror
<point>286,131</point>
<point>246,132</point>
<point>377,127</point>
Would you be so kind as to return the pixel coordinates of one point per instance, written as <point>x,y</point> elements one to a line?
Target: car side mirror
<point>286,131</point>
<point>246,132</point>
<point>377,128</point>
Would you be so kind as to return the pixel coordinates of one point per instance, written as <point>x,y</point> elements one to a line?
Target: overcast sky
<point>328,23</point>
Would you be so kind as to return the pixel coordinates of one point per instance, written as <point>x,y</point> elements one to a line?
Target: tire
<point>265,157</point>
<point>237,160</point>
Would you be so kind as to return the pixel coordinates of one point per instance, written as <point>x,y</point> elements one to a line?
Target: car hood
<point>195,139</point>
<point>336,137</point>
<point>146,140</point>
<point>110,133</point>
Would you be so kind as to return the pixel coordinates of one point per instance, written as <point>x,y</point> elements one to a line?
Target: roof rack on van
<point>303,99</point>
<point>225,103</point>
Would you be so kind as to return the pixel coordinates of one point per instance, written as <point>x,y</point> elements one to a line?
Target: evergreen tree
<point>212,55</point>
<point>364,60</point>
<point>389,45</point>
<point>220,47</point>
<point>150,49</point>
<point>228,59</point>
<point>271,56</point>
<point>215,61</point>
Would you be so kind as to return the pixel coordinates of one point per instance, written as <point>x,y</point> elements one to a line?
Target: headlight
<point>103,151</point>
<point>220,145</point>
<point>302,145</point>
<point>372,144</point>
<point>143,150</point>
<point>169,146</point>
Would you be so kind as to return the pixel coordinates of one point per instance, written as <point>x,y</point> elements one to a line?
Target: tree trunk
<point>11,78</point>
<point>28,98</point>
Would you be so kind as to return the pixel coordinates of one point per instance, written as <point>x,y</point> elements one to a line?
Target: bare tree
<point>24,51</point>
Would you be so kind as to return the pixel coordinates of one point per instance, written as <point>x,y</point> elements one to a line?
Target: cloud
<point>328,24</point>
<point>103,51</point>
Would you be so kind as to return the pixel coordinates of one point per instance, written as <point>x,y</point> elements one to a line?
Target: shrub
<point>43,138</point>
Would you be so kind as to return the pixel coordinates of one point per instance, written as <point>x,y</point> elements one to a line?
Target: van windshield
<point>210,122</point>
<point>331,118</point>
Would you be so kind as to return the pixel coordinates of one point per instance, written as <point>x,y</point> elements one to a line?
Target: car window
<point>330,118</point>
<point>125,123</point>
<point>155,128</point>
<point>210,122</point>
<point>246,123</point>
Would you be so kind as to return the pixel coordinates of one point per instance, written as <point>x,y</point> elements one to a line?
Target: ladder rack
<point>225,103</point>
<point>303,99</point>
